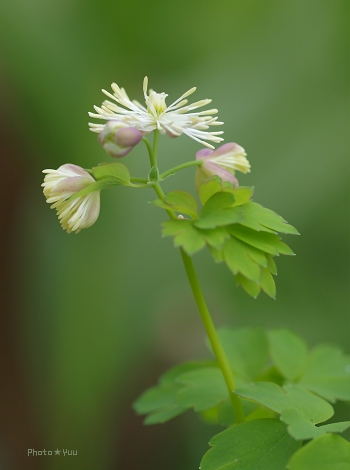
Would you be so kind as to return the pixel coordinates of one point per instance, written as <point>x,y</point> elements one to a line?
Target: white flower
<point>175,119</point>
<point>59,185</point>
<point>223,162</point>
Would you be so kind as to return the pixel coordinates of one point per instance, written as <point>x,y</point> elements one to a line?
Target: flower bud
<point>59,185</point>
<point>223,162</point>
<point>118,139</point>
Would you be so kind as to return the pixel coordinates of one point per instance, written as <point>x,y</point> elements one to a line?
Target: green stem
<point>173,170</point>
<point>149,149</point>
<point>213,336</point>
<point>209,325</point>
<point>155,147</point>
<point>138,180</point>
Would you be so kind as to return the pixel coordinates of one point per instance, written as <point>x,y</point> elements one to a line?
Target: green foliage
<point>198,385</point>
<point>246,350</point>
<point>288,352</point>
<point>178,201</point>
<point>106,174</point>
<point>239,232</point>
<point>275,373</point>
<point>255,445</point>
<point>202,389</point>
<point>327,373</point>
<point>117,171</point>
<point>328,452</point>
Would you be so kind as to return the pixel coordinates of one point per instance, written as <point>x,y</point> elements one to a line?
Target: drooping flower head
<point>223,162</point>
<point>175,120</point>
<point>59,185</point>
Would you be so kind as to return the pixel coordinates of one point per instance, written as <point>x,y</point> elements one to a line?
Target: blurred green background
<point>89,321</point>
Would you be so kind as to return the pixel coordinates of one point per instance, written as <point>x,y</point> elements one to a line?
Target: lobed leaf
<point>288,353</point>
<point>219,211</point>
<point>267,242</point>
<point>236,256</point>
<point>280,399</point>
<point>254,445</point>
<point>328,452</point>
<point>112,170</point>
<point>259,218</point>
<point>160,403</point>
<point>202,389</point>
<point>178,201</point>
<point>327,373</point>
<point>246,350</point>
<point>302,428</point>
<point>185,235</point>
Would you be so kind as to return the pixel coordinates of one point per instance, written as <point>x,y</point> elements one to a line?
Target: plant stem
<point>155,147</point>
<point>208,324</point>
<point>180,167</point>
<point>213,336</point>
<point>149,149</point>
<point>138,180</point>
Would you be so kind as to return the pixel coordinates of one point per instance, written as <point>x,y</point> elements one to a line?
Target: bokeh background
<point>89,321</point>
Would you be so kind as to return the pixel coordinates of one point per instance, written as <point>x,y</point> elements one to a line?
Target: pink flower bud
<point>118,139</point>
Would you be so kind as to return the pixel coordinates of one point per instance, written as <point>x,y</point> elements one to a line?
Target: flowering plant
<point>269,390</point>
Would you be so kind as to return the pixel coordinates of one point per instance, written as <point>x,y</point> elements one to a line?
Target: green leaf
<point>328,452</point>
<point>262,444</point>
<point>268,242</point>
<point>216,254</point>
<point>242,194</point>
<point>259,218</point>
<point>210,187</point>
<point>267,283</point>
<point>271,265</point>
<point>215,237</point>
<point>218,211</point>
<point>185,235</point>
<point>301,428</point>
<point>112,170</point>
<point>202,389</point>
<point>327,373</point>
<point>310,406</point>
<point>160,402</point>
<point>252,288</point>
<point>225,411</point>
<point>236,255</point>
<point>178,201</point>
<point>246,350</point>
<point>288,353</point>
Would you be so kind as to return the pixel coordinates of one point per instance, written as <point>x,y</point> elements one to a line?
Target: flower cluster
<point>126,123</point>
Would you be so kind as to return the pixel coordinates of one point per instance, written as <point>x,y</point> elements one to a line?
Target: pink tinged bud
<point>128,137</point>
<point>203,154</point>
<point>118,139</point>
<point>230,147</point>
<point>213,169</point>
<point>80,212</point>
